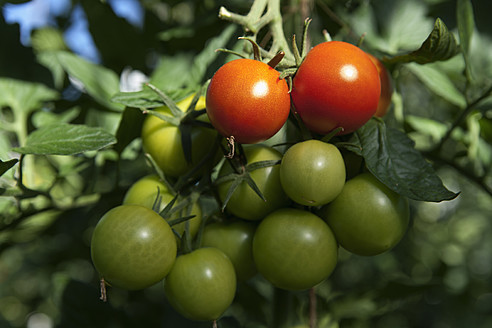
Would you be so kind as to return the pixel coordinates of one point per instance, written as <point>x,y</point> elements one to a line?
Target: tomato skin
<point>132,247</point>
<point>162,140</point>
<point>337,85</point>
<point>235,239</point>
<point>144,192</point>
<point>201,284</point>
<point>367,217</point>
<point>294,249</point>
<point>312,172</point>
<point>245,203</point>
<point>386,87</point>
<point>246,99</point>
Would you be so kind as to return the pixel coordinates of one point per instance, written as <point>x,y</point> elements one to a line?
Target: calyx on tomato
<point>249,184</point>
<point>179,137</point>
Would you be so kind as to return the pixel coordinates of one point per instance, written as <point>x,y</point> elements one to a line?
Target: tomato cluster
<point>277,213</point>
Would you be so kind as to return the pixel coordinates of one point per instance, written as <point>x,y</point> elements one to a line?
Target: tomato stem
<point>312,308</point>
<point>232,147</point>
<point>257,19</point>
<point>327,36</point>
<point>276,60</point>
<point>102,286</point>
<point>361,39</point>
<point>297,54</point>
<point>256,48</point>
<point>305,39</point>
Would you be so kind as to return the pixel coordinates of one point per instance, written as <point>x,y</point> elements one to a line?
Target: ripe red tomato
<point>337,85</point>
<point>246,99</point>
<point>386,87</point>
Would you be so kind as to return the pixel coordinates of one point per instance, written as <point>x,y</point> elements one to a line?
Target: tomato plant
<point>367,217</point>
<point>386,87</point>
<point>201,284</point>
<point>132,247</point>
<point>244,202</point>
<point>235,239</point>
<point>77,130</point>
<point>149,191</point>
<point>312,172</point>
<point>294,249</point>
<point>336,86</point>
<point>246,99</point>
<point>162,140</point>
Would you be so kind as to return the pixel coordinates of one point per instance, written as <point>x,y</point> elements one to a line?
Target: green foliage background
<point>439,276</point>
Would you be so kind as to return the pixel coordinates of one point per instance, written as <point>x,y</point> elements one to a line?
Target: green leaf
<point>41,118</point>
<point>168,118</point>
<point>252,185</point>
<point>205,58</point>
<point>176,33</point>
<point>148,98</point>
<point>187,70</point>
<point>466,23</point>
<point>129,128</point>
<point>439,45</point>
<point>172,73</point>
<point>167,210</point>
<point>405,23</point>
<point>426,126</point>
<point>438,83</point>
<point>24,96</point>
<point>262,164</point>
<point>48,39</point>
<point>100,83</point>
<point>237,179</point>
<point>7,165</point>
<point>390,155</point>
<point>145,98</point>
<point>175,110</point>
<point>186,131</point>
<point>65,139</point>
<point>49,60</point>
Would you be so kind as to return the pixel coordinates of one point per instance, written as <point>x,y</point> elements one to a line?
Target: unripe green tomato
<point>145,191</point>
<point>201,284</point>
<point>133,247</point>
<point>162,141</point>
<point>312,172</point>
<point>294,249</point>
<point>245,203</point>
<point>235,239</point>
<point>367,217</point>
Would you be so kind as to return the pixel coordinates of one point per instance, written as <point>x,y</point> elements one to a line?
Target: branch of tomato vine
<point>312,308</point>
<point>464,113</point>
<point>479,180</point>
<point>255,20</point>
